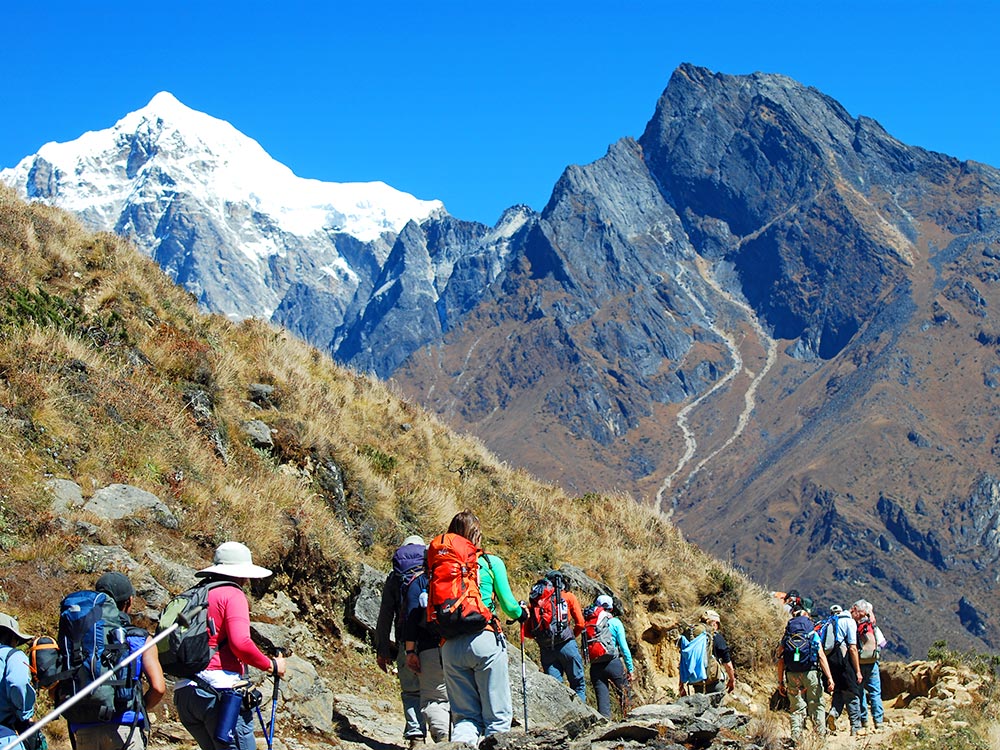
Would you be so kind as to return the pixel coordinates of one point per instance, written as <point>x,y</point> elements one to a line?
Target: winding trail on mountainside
<point>750,402</point>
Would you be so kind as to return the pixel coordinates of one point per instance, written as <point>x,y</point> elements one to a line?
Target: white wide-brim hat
<point>233,559</point>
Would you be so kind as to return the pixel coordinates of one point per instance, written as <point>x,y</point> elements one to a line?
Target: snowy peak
<point>169,144</point>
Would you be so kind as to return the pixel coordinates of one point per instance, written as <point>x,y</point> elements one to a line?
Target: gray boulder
<point>258,433</point>
<point>372,722</point>
<point>304,696</point>
<point>551,704</point>
<point>363,608</point>
<point>117,501</point>
<point>66,495</point>
<point>97,559</point>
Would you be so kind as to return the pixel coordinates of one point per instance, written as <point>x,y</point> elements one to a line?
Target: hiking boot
<point>831,723</point>
<point>416,742</point>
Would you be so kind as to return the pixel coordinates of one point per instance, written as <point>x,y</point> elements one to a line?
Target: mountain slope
<point>109,374</point>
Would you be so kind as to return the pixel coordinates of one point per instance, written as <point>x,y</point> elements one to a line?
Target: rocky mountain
<point>764,314</point>
<point>234,227</point>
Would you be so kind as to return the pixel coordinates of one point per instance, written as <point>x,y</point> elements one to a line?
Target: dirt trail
<point>896,720</point>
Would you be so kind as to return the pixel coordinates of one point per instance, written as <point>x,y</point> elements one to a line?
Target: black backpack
<point>185,652</point>
<point>799,647</point>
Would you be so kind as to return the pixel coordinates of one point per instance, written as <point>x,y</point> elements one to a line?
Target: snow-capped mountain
<point>227,221</point>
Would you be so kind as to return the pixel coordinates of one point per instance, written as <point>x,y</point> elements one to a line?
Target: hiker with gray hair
<point>870,644</point>
<point>17,696</point>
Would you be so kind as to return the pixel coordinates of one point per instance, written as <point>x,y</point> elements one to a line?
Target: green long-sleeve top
<point>494,586</point>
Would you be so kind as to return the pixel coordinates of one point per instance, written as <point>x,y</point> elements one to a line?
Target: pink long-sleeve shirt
<point>229,610</point>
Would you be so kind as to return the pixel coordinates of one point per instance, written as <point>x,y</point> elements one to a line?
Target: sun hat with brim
<point>711,616</point>
<point>605,601</point>
<point>9,623</point>
<point>233,559</point>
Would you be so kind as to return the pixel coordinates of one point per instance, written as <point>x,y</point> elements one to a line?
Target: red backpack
<point>597,636</point>
<point>548,614</point>
<point>454,604</point>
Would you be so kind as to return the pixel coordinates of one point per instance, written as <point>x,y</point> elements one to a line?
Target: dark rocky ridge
<point>870,263</point>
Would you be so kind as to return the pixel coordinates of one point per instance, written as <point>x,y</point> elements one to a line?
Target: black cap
<point>116,585</point>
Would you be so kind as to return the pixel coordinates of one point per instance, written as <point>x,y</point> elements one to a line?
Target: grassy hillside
<point>109,373</point>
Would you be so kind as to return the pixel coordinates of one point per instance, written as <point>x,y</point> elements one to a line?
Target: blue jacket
<point>17,696</point>
<point>618,631</point>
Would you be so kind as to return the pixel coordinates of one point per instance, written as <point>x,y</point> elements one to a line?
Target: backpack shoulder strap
<point>6,661</point>
<point>486,557</point>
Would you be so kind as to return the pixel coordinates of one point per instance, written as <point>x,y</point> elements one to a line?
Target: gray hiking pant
<point>409,693</point>
<point>434,695</point>
<point>475,668</point>
<point>198,711</point>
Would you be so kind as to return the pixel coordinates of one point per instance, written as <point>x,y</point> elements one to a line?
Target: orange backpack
<point>454,604</point>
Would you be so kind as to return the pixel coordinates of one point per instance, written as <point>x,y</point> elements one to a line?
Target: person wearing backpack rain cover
<point>127,729</point>
<point>198,699</point>
<point>719,652</point>
<point>17,696</point>
<point>408,556</point>
<point>800,659</point>
<point>423,657</point>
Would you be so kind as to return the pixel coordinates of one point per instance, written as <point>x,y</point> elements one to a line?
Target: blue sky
<point>481,104</point>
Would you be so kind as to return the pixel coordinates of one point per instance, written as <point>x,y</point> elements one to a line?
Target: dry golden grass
<point>96,379</point>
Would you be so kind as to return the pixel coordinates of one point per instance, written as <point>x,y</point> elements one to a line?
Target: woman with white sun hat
<point>198,699</point>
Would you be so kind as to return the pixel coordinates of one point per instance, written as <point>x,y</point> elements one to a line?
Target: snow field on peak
<point>212,159</point>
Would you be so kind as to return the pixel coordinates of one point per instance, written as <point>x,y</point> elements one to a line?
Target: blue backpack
<point>799,645</point>
<point>91,642</point>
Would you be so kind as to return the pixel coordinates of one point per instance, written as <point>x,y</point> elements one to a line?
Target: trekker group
<point>838,653</point>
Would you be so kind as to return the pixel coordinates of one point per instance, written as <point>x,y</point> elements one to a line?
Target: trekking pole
<point>524,682</point>
<point>58,711</point>
<point>274,699</point>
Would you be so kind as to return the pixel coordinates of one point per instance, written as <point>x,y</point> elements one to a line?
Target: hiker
<point>127,729</point>
<point>699,669</point>
<point>800,662</point>
<point>619,668</point>
<point>198,699</point>
<point>408,558</point>
<point>870,643</point>
<point>17,695</point>
<point>842,655</point>
<point>423,658</point>
<point>555,619</point>
<point>463,600</point>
